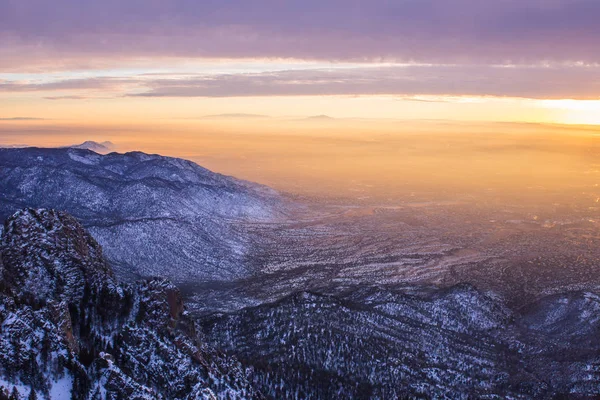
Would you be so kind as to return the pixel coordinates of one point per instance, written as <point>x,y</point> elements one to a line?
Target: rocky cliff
<point>70,330</point>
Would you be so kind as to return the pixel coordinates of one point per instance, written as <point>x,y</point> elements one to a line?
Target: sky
<point>248,86</point>
<point>115,60</point>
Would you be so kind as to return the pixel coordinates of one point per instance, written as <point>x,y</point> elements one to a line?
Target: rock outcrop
<point>70,330</point>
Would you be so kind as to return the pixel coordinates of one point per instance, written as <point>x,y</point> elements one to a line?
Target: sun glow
<point>581,112</point>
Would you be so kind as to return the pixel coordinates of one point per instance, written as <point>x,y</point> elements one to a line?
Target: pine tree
<point>14,395</point>
<point>46,348</point>
<point>32,395</point>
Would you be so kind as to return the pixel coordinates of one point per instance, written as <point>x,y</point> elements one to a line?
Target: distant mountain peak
<point>321,117</point>
<point>102,147</point>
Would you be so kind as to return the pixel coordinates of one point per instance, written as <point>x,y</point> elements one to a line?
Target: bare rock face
<point>69,330</point>
<point>50,257</point>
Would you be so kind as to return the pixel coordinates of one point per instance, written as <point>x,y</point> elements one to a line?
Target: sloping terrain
<point>153,215</point>
<point>69,330</point>
<point>316,301</point>
<point>411,342</point>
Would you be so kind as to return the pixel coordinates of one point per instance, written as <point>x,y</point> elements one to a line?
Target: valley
<point>317,298</point>
<point>512,252</point>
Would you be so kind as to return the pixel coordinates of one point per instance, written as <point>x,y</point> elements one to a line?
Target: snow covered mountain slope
<point>153,215</point>
<point>415,342</point>
<point>69,331</point>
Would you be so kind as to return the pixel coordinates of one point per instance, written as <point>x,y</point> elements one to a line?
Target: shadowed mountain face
<point>69,331</point>
<point>153,215</point>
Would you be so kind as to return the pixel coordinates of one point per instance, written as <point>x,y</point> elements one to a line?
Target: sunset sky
<point>113,60</point>
<point>280,91</point>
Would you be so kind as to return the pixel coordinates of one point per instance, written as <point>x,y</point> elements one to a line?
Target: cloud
<point>74,97</point>
<point>321,117</point>
<point>96,83</point>
<point>22,119</point>
<point>410,82</point>
<point>431,31</point>
<point>235,116</point>
<point>578,82</point>
<point>67,97</point>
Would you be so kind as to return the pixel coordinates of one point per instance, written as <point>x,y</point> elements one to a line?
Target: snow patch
<point>61,389</point>
<point>91,159</point>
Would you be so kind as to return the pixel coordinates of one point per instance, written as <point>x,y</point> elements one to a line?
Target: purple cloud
<point>67,97</point>
<point>562,81</point>
<point>22,119</point>
<point>432,31</point>
<point>98,83</point>
<point>480,80</point>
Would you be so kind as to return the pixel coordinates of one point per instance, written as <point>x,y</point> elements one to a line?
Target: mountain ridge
<point>149,212</point>
<point>377,342</point>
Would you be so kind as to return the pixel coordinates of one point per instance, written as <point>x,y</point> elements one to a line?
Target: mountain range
<point>153,215</point>
<point>416,342</point>
<point>90,306</point>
